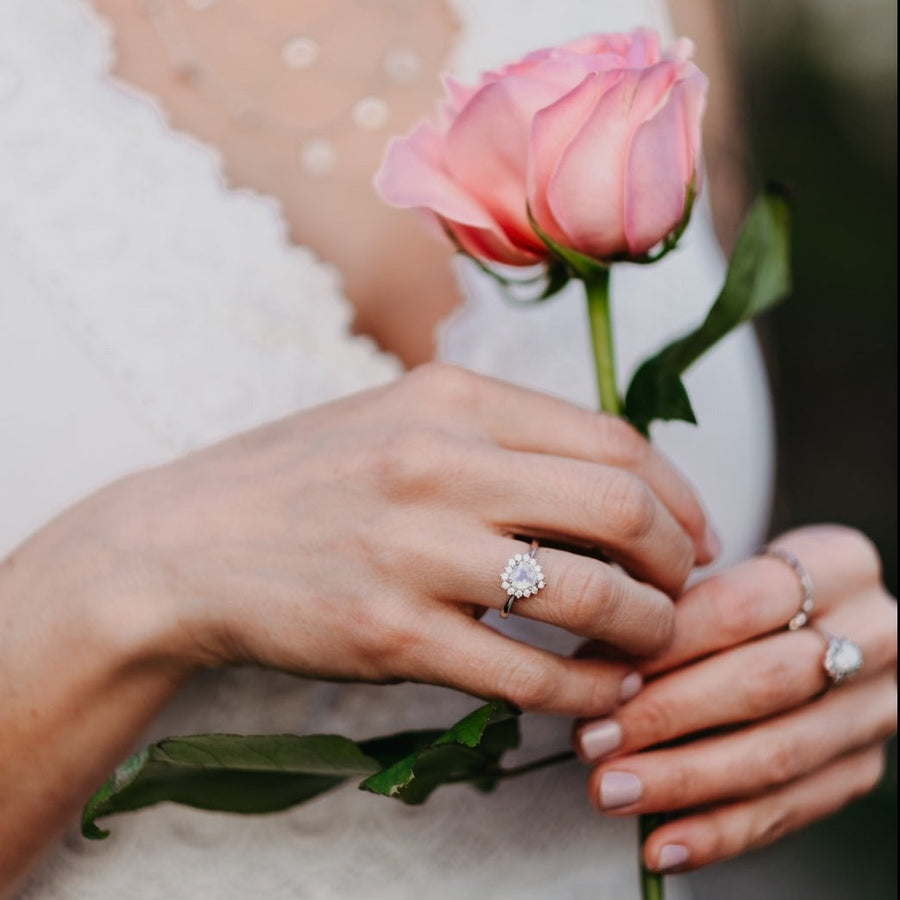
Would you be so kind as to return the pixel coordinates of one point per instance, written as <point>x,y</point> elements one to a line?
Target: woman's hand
<point>356,541</point>
<point>773,748</point>
<point>359,540</point>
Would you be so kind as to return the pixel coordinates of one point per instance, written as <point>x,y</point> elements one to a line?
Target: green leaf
<point>758,277</point>
<point>469,751</point>
<point>236,773</point>
<point>266,773</point>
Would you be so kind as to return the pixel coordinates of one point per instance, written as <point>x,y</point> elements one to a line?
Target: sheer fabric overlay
<point>147,308</point>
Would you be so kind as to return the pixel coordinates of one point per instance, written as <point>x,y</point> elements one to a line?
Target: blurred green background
<point>818,81</point>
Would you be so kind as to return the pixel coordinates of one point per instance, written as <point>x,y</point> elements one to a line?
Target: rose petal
<point>552,131</point>
<point>412,174</point>
<point>487,151</point>
<point>644,49</point>
<point>587,192</point>
<point>660,165</point>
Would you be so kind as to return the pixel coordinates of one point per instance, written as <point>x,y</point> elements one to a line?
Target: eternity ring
<point>522,577</point>
<point>842,658</point>
<point>801,617</point>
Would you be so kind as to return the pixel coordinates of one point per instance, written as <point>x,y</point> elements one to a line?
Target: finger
<point>525,420</point>
<point>582,595</point>
<point>490,665</point>
<point>752,760</point>
<point>750,682</point>
<point>760,595</point>
<point>725,831</point>
<point>579,502</point>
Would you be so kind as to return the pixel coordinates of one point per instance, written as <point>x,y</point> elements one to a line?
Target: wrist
<point>91,574</point>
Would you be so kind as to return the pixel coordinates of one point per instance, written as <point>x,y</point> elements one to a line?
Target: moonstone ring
<point>801,617</point>
<point>522,577</point>
<point>842,659</point>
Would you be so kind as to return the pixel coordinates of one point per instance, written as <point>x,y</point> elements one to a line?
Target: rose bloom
<point>599,138</point>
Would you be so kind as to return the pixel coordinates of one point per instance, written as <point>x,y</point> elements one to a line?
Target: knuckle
<point>601,696</point>
<point>652,720</point>
<point>623,445</point>
<point>779,763</point>
<point>658,625</point>
<point>526,684</point>
<point>770,825</point>
<point>772,687</point>
<point>446,385</point>
<point>588,599</point>
<point>683,559</point>
<point>628,503</point>
<point>734,608</point>
<point>410,460</point>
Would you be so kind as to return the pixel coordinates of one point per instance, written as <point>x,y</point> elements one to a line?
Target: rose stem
<point>597,290</point>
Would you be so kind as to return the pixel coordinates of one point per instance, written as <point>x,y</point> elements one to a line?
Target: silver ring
<point>801,617</point>
<point>522,577</point>
<point>842,659</point>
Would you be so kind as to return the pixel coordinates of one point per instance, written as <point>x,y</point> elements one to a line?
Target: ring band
<point>801,617</point>
<point>843,658</point>
<point>522,577</point>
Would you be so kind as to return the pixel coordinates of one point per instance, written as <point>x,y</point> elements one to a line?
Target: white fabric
<point>146,308</point>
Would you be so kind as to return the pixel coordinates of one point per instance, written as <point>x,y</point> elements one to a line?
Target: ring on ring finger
<point>521,578</point>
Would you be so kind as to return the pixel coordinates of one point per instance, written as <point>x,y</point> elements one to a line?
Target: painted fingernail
<point>671,857</point>
<point>631,684</point>
<point>619,789</point>
<point>712,546</point>
<point>599,738</point>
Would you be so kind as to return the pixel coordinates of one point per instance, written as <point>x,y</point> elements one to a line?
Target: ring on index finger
<point>521,578</point>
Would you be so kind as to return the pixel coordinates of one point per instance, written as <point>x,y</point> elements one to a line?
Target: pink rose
<point>600,138</point>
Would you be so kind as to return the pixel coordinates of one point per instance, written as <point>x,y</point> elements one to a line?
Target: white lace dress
<point>146,308</point>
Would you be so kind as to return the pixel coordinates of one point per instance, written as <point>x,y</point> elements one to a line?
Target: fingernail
<point>631,684</point>
<point>619,789</point>
<point>712,546</point>
<point>599,738</point>
<point>671,857</point>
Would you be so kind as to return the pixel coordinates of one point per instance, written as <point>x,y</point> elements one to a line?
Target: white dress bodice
<point>146,308</point>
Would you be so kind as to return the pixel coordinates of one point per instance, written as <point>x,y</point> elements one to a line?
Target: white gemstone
<point>318,156</point>
<point>370,113</point>
<point>522,577</point>
<point>402,65</point>
<point>518,557</point>
<point>847,657</point>
<point>300,53</point>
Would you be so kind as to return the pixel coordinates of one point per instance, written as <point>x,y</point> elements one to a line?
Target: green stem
<point>651,882</point>
<point>597,290</point>
<point>545,762</point>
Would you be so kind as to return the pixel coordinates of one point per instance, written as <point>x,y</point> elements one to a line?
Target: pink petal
<point>552,130</point>
<point>487,149</point>
<point>661,163</point>
<point>644,49</point>
<point>412,174</point>
<point>493,245</point>
<point>587,192</point>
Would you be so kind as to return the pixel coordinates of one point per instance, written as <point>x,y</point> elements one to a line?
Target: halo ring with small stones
<point>522,577</point>
<point>843,658</point>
